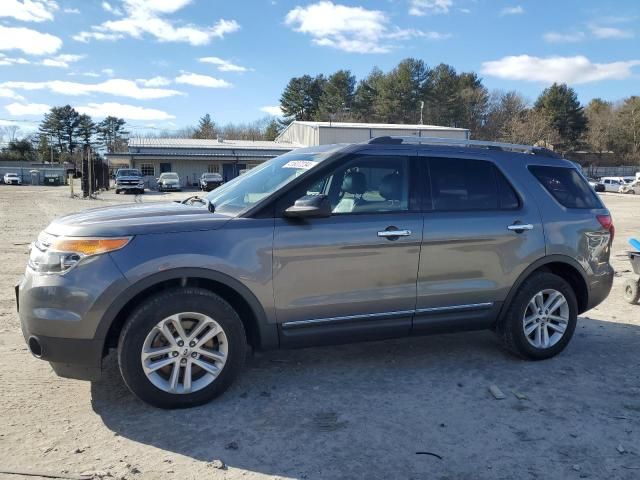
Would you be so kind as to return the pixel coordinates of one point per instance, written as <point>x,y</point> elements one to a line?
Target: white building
<point>323,133</point>
<point>190,158</point>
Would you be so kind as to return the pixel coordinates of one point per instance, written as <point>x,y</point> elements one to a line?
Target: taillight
<point>607,223</point>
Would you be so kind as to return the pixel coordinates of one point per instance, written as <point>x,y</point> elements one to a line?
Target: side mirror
<point>310,206</point>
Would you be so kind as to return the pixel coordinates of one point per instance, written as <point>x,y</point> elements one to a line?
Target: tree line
<point>413,93</point>
<point>63,136</point>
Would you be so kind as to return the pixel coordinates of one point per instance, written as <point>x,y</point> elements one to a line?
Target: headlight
<point>59,254</point>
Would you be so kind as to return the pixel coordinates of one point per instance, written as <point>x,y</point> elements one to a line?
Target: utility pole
<point>421,109</point>
<point>90,169</point>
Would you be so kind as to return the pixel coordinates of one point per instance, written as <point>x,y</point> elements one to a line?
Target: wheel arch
<point>561,265</point>
<point>260,333</point>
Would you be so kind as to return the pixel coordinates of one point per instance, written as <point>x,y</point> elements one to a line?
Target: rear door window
<point>567,186</point>
<point>463,184</point>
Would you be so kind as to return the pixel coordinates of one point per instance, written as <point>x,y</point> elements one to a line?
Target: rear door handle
<point>394,233</point>
<point>520,227</point>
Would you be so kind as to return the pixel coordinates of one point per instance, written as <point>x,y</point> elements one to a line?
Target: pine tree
<point>206,128</point>
<point>112,134</point>
<point>336,100</point>
<point>561,104</point>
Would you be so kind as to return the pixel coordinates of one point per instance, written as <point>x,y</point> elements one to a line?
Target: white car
<point>612,184</point>
<point>632,187</point>
<point>168,181</point>
<point>12,179</point>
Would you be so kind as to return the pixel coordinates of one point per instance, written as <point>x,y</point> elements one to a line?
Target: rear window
<point>567,186</point>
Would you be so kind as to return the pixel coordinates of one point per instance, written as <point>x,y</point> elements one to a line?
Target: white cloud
<point>28,40</point>
<point>108,72</point>
<point>62,61</point>
<point>19,109</point>
<point>572,70</point>
<point>428,7</point>
<point>146,17</point>
<point>129,112</point>
<point>154,82</point>
<point>274,110</point>
<point>71,10</point>
<point>4,60</point>
<point>86,36</point>
<point>8,93</point>
<point>202,80</point>
<point>116,87</point>
<point>351,29</point>
<point>555,37</point>
<point>107,7</point>
<point>610,32</point>
<point>28,10</point>
<point>223,65</point>
<point>517,10</point>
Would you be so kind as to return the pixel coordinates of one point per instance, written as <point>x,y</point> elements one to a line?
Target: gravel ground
<point>407,408</point>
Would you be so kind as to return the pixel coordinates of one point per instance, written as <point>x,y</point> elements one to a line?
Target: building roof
<point>385,126</point>
<point>194,143</point>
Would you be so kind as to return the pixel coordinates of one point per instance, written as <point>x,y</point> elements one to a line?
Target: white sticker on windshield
<point>302,164</point>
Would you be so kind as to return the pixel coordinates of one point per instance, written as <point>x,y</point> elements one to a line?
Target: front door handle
<point>520,227</point>
<point>394,233</point>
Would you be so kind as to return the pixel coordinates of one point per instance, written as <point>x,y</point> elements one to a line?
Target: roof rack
<point>453,142</point>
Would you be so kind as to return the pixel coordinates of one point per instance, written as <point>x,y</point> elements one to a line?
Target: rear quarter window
<point>567,186</point>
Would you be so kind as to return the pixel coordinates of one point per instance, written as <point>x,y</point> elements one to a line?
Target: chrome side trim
<point>454,308</point>
<point>297,323</point>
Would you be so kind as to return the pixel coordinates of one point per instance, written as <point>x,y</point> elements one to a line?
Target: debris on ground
<point>496,392</point>
<point>219,464</point>
<point>439,457</point>
<point>232,446</point>
<point>621,449</point>
<point>520,396</point>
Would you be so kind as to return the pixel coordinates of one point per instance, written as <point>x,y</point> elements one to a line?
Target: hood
<point>137,219</point>
<point>128,178</point>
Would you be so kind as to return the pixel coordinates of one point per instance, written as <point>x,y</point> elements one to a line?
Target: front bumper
<point>60,315</point>
<point>171,186</point>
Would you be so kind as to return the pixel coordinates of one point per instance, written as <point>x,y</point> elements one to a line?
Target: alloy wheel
<point>184,352</point>
<point>546,318</point>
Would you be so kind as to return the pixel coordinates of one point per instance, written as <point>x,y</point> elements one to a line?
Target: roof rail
<point>453,142</point>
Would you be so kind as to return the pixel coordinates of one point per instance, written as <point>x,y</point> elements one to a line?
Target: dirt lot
<point>353,411</point>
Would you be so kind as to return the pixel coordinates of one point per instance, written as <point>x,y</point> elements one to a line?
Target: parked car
<point>632,187</point>
<point>335,243</point>
<point>209,181</point>
<point>169,181</point>
<point>612,184</point>
<point>129,180</point>
<point>12,179</point>
<point>597,185</point>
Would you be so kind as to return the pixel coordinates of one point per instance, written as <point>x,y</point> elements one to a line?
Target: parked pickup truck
<point>129,180</point>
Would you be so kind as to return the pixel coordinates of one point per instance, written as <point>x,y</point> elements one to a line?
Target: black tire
<point>117,191</point>
<point>510,327</point>
<point>144,318</point>
<point>632,291</point>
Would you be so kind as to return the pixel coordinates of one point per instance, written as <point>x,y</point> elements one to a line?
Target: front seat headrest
<point>391,187</point>
<point>354,183</point>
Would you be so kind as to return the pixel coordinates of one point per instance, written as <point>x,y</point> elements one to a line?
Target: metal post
<point>89,167</point>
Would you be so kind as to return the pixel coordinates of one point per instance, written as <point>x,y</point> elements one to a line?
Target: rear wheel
<point>541,318</point>
<point>632,291</point>
<point>181,348</point>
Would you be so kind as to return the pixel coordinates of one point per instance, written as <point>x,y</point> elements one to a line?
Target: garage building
<point>190,158</point>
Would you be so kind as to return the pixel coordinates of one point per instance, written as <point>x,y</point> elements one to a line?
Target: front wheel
<point>181,348</point>
<point>541,318</point>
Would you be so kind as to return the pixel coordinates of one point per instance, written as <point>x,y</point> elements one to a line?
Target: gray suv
<point>395,237</point>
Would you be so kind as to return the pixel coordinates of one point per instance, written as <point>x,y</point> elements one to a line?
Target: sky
<point>162,64</point>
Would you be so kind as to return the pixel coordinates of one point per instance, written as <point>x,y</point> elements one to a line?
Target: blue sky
<point>164,63</point>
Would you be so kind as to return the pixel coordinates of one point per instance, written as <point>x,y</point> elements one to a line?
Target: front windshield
<point>170,176</point>
<point>128,173</point>
<point>246,190</point>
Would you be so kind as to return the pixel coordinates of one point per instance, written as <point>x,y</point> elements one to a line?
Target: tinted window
<point>462,184</point>
<point>567,186</point>
<point>507,196</point>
